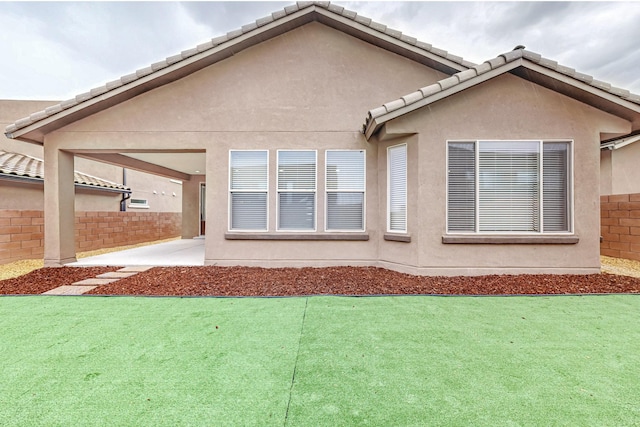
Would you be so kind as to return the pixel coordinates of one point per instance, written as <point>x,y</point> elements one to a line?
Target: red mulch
<point>45,279</point>
<point>253,281</point>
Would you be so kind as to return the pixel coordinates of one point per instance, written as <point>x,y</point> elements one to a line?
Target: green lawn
<point>353,361</point>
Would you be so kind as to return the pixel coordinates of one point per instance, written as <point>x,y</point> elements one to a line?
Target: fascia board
<point>622,142</point>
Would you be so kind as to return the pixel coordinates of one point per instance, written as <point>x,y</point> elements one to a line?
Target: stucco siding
<point>507,108</point>
<point>313,78</point>
<point>624,169</point>
<point>306,89</point>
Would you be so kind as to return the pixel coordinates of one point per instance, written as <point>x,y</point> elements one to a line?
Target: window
<point>296,190</point>
<point>248,184</point>
<point>509,187</point>
<point>397,188</point>
<point>139,203</point>
<point>345,185</point>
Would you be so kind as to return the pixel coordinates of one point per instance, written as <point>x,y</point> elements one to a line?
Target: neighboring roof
<point>14,165</point>
<point>526,64</point>
<point>220,48</point>
<point>616,143</point>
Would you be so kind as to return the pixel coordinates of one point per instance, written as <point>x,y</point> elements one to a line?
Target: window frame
<point>363,191</point>
<point>139,203</point>
<point>406,196</point>
<point>314,191</point>
<point>231,191</point>
<point>570,189</point>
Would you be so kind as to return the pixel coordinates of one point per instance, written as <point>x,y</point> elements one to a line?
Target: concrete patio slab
<point>69,290</point>
<point>183,252</point>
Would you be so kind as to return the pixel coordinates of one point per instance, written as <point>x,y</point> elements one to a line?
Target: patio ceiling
<point>189,163</point>
<point>174,164</point>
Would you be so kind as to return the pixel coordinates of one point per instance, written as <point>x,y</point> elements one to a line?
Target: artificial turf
<point>320,361</point>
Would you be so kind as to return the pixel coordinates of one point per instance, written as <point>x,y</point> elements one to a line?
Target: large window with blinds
<point>296,190</point>
<point>248,190</point>
<point>509,187</point>
<point>397,188</point>
<point>345,190</point>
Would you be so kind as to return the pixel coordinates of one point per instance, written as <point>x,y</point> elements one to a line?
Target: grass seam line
<point>295,365</point>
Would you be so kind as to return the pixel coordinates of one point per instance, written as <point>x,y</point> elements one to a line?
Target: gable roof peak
<point>223,46</point>
<point>504,62</point>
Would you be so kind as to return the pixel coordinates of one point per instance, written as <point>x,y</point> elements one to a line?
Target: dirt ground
<point>245,281</point>
<point>253,281</point>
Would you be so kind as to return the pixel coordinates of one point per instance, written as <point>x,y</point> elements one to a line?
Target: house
<point>319,149</point>
<point>620,197</point>
<point>153,203</point>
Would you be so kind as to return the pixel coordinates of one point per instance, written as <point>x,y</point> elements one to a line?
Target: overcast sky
<point>56,50</point>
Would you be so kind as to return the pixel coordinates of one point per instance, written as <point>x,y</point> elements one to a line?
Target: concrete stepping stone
<point>136,268</point>
<point>69,290</point>
<point>95,282</point>
<point>115,275</point>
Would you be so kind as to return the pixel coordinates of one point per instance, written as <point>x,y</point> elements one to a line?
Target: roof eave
<point>620,142</point>
<point>408,48</point>
<point>36,180</point>
<point>583,92</point>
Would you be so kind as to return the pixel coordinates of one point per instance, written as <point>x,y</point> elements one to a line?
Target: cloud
<point>89,43</point>
<point>85,44</point>
<point>222,17</point>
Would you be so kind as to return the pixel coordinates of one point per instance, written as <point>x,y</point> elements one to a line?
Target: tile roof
<point>20,165</point>
<point>422,96</point>
<point>333,9</point>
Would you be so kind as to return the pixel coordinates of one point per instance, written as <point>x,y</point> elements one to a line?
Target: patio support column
<point>213,236</point>
<point>191,207</point>
<point>59,207</point>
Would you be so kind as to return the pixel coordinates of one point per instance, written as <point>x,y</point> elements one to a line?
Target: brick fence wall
<point>22,231</point>
<point>620,226</point>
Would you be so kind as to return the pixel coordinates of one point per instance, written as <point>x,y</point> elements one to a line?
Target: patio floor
<point>173,253</point>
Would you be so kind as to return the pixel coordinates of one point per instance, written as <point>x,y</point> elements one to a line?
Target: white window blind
<point>296,190</point>
<point>248,183</point>
<point>397,197</point>
<point>345,186</point>
<point>461,190</point>
<point>508,186</point>
<point>556,185</point>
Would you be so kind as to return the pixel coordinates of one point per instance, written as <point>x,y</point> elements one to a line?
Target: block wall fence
<point>620,226</point>
<point>22,231</point>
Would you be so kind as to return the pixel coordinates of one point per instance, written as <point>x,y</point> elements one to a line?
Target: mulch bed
<point>254,281</point>
<point>45,279</point>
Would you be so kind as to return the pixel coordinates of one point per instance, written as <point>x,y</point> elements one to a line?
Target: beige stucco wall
<point>162,194</point>
<point>620,170</point>
<point>313,78</point>
<point>505,108</point>
<point>605,172</point>
<point>308,89</point>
